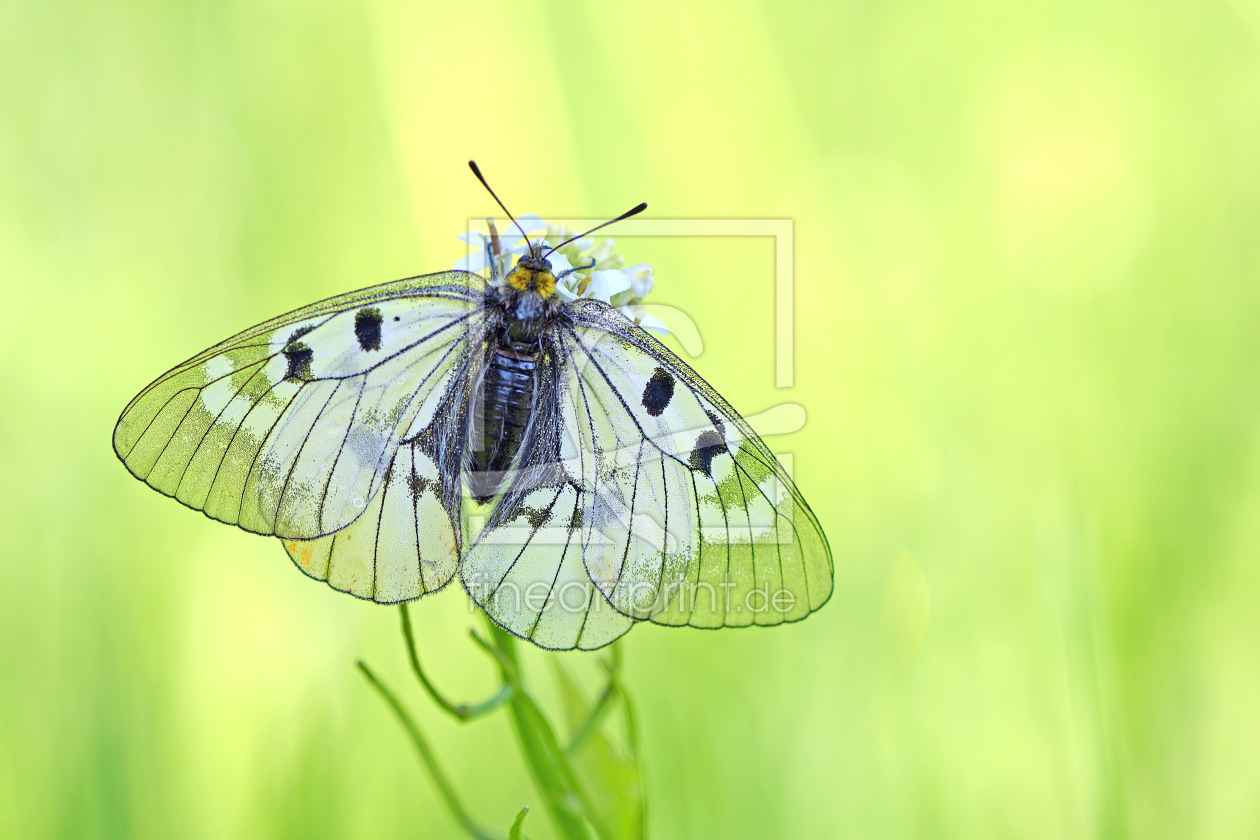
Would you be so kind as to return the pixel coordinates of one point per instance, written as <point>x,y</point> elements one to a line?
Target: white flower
<point>640,279</point>
<point>511,246</point>
<point>559,265</point>
<point>649,322</point>
<point>609,283</point>
<point>607,279</point>
<point>602,285</point>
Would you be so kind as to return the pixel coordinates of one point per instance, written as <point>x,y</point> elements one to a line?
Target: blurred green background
<point>1026,276</point>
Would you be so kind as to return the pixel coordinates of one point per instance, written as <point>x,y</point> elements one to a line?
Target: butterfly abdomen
<point>507,403</point>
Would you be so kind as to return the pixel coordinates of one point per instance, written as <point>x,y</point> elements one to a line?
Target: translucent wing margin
<point>289,428</point>
<point>687,516</point>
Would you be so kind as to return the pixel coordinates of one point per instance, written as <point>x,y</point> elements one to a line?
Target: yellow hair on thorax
<point>528,280</point>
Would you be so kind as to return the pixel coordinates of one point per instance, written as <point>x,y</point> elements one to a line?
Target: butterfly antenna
<point>473,166</point>
<point>633,212</point>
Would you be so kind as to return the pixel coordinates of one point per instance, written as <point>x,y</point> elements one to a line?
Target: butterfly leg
<point>586,266</point>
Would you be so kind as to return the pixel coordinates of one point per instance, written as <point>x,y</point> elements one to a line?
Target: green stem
<point>602,705</point>
<point>462,711</point>
<point>632,746</point>
<point>548,765</point>
<point>476,710</point>
<point>632,725</point>
<point>427,756</point>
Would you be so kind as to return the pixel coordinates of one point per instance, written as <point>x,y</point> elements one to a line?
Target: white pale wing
<point>525,570</point>
<point>288,428</point>
<point>688,517</point>
<point>404,545</point>
<point>524,563</point>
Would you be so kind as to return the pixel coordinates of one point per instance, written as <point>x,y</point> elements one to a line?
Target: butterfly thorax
<point>524,304</point>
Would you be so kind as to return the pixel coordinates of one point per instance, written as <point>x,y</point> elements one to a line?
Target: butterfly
<point>572,471</point>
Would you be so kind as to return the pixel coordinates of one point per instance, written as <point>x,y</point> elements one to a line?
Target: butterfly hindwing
<point>288,428</point>
<point>525,569</point>
<point>524,565</point>
<point>404,545</point>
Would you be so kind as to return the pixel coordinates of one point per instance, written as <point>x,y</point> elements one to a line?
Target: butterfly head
<point>533,273</point>
<point>531,283</point>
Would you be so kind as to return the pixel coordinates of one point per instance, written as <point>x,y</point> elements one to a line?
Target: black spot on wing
<point>708,446</point>
<point>299,332</point>
<point>715,420</point>
<point>367,328</point>
<point>299,357</point>
<point>658,393</point>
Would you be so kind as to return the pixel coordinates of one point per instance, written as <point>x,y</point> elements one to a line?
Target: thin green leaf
<point>517,830</point>
<point>426,755</point>
<point>610,779</point>
<point>548,765</point>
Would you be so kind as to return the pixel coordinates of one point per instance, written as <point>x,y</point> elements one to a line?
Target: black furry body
<point>507,394</point>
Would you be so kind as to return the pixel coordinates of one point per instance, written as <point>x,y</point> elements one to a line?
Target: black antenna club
<point>632,212</point>
<point>473,166</point>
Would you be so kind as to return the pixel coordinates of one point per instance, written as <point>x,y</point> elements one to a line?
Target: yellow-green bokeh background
<point>1026,252</point>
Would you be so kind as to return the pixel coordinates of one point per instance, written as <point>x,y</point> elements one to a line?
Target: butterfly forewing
<point>288,428</point>
<point>692,519</point>
<point>679,513</point>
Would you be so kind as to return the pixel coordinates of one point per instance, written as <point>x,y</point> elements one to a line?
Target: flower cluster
<point>609,279</point>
